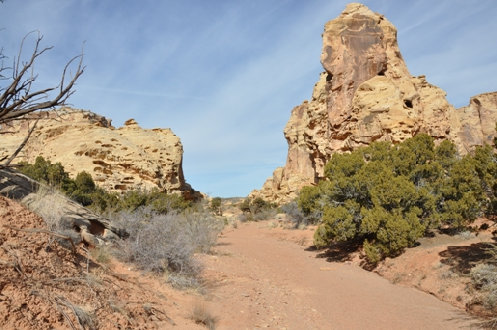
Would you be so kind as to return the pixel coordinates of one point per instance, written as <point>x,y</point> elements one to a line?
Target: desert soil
<point>45,286</point>
<point>261,276</point>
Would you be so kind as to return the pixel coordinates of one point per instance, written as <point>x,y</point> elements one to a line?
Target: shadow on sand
<point>338,252</point>
<point>462,258</point>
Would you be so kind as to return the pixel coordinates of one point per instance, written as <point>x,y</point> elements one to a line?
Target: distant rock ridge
<point>122,159</point>
<point>367,94</point>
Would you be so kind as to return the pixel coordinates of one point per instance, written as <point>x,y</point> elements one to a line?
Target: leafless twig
<point>17,265</point>
<point>17,98</point>
<point>84,318</point>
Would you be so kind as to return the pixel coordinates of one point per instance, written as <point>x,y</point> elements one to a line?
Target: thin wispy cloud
<point>138,92</point>
<point>224,75</point>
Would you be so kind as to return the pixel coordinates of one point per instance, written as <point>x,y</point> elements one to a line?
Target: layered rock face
<point>126,158</point>
<point>366,94</point>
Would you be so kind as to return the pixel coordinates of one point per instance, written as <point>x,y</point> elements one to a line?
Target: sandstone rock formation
<point>121,159</point>
<point>478,121</point>
<point>367,94</point>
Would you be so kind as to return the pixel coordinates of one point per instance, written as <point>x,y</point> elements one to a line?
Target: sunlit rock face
<point>367,94</point>
<point>478,121</point>
<point>119,159</point>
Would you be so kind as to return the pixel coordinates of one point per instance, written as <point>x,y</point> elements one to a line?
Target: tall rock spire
<point>365,94</point>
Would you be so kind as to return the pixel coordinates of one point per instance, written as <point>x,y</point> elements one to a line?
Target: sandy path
<point>257,280</point>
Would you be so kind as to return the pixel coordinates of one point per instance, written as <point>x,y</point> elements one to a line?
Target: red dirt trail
<point>259,280</point>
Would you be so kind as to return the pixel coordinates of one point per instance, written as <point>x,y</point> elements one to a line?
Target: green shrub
<point>163,202</point>
<point>343,165</point>
<point>159,201</point>
<point>256,209</point>
<point>103,201</point>
<point>84,182</point>
<point>309,202</point>
<point>389,196</point>
<point>44,171</point>
<point>215,206</point>
<point>132,200</point>
<point>84,191</point>
<point>245,205</point>
<point>81,197</point>
<point>486,169</point>
<point>460,197</point>
<point>258,205</point>
<point>342,220</point>
<point>372,252</point>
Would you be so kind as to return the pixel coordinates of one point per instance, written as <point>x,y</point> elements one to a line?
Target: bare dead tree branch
<point>17,97</point>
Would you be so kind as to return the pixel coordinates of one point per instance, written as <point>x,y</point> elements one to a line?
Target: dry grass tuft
<point>201,315</point>
<point>484,278</point>
<point>47,203</point>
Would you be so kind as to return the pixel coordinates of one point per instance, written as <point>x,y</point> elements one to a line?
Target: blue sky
<point>225,74</point>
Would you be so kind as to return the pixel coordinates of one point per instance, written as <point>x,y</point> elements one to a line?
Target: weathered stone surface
<point>71,215</point>
<point>121,159</point>
<point>366,94</point>
<point>478,121</point>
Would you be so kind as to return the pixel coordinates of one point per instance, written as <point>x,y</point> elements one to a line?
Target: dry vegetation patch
<point>44,285</point>
<point>202,315</point>
<point>167,243</point>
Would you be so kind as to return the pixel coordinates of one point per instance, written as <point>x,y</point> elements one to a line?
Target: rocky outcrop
<point>71,215</point>
<point>126,158</point>
<point>478,121</point>
<point>365,94</point>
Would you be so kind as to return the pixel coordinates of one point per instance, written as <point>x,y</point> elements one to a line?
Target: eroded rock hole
<point>96,228</point>
<point>408,103</point>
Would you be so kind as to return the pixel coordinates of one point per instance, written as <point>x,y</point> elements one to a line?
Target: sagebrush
<point>484,279</point>
<point>166,243</point>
